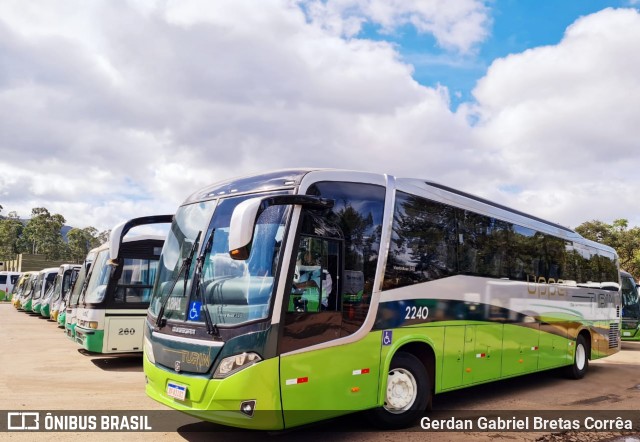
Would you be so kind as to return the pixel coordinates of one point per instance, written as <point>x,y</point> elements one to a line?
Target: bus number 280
<point>416,312</point>
<point>127,331</point>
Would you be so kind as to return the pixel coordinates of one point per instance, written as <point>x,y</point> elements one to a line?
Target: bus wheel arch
<point>409,387</point>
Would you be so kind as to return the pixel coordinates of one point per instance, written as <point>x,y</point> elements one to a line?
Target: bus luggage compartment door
<point>124,334</point>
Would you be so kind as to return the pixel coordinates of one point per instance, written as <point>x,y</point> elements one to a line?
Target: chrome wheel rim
<point>581,357</point>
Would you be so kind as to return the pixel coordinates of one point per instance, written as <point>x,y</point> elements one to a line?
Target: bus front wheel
<point>578,369</point>
<point>407,394</point>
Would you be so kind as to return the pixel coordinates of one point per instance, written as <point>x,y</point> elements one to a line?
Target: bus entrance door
<point>326,382</point>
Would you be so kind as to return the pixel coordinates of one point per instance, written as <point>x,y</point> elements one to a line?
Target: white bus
<point>115,299</point>
<point>7,281</point>
<point>67,316</point>
<point>67,274</point>
<point>43,283</point>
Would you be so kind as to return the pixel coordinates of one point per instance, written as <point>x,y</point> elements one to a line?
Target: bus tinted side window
<point>423,243</point>
<point>431,240</point>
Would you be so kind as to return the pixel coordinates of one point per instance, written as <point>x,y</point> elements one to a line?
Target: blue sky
<point>517,25</point>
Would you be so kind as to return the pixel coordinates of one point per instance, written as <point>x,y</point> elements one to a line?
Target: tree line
<point>42,234</point>
<point>625,240</point>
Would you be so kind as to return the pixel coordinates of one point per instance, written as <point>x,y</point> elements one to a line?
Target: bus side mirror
<point>245,215</point>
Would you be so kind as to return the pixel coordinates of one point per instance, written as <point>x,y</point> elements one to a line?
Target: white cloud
<point>458,25</point>
<point>123,110</point>
<point>562,121</point>
<point>120,109</point>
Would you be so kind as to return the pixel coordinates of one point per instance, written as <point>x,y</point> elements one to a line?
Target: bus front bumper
<point>220,400</point>
<point>630,334</point>
<point>90,339</point>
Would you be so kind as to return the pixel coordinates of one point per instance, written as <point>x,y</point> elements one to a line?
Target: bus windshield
<point>38,286</point>
<point>98,279</point>
<point>57,288</point>
<point>76,289</point>
<point>233,292</point>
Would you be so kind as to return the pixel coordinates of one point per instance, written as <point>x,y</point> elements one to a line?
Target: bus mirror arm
<point>120,230</point>
<point>246,213</point>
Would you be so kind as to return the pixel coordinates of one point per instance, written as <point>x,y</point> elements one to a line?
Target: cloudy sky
<point>111,110</point>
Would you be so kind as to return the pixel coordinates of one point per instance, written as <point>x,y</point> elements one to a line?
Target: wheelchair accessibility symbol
<point>387,337</point>
<point>194,311</point>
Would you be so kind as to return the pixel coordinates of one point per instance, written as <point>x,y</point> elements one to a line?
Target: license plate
<point>626,333</point>
<point>176,391</point>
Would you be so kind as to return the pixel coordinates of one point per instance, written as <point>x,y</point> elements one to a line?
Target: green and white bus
<point>23,285</point>
<point>67,275</point>
<point>45,280</point>
<point>113,305</point>
<point>38,283</point>
<point>68,320</point>
<point>630,307</point>
<point>7,281</point>
<point>445,290</point>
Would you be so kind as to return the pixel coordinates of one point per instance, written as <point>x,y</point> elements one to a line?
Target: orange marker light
<point>355,389</point>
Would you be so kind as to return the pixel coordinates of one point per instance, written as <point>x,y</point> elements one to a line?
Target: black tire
<point>580,364</point>
<point>407,394</point>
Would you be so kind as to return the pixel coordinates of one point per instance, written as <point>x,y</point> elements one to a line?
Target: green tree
<point>80,241</point>
<point>618,235</point>
<point>10,230</point>
<point>103,237</point>
<point>42,234</point>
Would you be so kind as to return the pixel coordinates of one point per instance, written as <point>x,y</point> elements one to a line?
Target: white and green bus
<point>68,319</point>
<point>23,285</point>
<point>113,305</point>
<point>7,281</point>
<point>45,280</point>
<point>630,307</point>
<point>67,275</point>
<point>431,290</point>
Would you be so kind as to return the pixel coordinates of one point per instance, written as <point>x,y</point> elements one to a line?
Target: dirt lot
<point>40,369</point>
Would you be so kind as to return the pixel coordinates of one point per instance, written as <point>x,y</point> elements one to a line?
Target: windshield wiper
<point>212,328</point>
<point>184,267</point>
<point>83,289</point>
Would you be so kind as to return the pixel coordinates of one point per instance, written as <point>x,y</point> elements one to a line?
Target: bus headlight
<point>233,364</point>
<point>92,324</point>
<point>148,350</point>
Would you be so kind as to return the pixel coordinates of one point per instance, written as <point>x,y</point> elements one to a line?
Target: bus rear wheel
<point>578,369</point>
<point>407,394</point>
